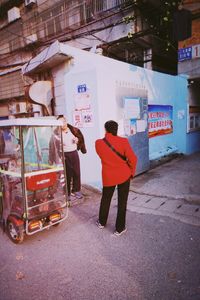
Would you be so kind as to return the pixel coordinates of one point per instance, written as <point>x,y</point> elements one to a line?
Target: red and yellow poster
<point>160,120</point>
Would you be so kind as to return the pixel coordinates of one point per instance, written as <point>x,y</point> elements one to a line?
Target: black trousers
<point>73,173</point>
<point>122,191</point>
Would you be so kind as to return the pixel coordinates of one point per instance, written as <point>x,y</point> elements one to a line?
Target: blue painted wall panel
<point>169,90</point>
<point>193,142</point>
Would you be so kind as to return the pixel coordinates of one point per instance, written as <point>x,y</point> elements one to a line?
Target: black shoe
<point>99,225</point>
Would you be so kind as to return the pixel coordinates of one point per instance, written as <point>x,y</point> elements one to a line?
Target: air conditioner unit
<point>30,2</point>
<point>31,39</point>
<point>13,14</point>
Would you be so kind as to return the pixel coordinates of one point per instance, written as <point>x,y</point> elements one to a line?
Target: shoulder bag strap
<point>114,150</point>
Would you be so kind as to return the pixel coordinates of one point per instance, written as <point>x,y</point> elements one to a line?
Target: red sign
<point>160,120</point>
<point>40,181</point>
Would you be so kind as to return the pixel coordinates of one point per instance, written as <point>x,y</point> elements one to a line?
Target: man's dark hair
<point>111,127</point>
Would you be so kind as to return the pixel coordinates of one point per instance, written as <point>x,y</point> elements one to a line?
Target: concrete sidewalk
<point>170,189</point>
<point>176,179</point>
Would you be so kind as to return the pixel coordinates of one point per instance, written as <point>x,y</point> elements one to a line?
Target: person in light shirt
<point>73,141</point>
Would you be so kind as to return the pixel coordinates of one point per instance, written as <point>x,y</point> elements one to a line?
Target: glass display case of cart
<point>33,192</point>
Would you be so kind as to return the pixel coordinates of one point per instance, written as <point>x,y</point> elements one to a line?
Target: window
<point>194,105</point>
<point>194,121</point>
<point>52,21</point>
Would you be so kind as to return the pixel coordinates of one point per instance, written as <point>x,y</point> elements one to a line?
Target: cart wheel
<point>15,234</point>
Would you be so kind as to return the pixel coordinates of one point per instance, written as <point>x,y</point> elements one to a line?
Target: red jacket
<point>114,169</point>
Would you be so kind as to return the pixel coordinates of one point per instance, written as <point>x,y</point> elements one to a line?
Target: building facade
<point>90,89</point>
<point>40,75</point>
<point>120,29</point>
<point>189,66</point>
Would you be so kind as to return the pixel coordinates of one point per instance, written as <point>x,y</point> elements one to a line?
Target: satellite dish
<point>41,92</point>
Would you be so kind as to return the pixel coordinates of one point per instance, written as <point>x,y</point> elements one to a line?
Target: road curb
<point>193,199</point>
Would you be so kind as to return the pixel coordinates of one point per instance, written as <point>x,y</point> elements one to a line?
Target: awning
<point>47,59</point>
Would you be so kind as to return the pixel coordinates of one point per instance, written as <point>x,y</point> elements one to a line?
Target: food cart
<point>33,194</point>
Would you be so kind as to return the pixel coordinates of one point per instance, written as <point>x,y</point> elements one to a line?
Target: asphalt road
<point>158,258</point>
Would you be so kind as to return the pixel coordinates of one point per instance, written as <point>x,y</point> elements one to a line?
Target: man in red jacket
<point>115,171</point>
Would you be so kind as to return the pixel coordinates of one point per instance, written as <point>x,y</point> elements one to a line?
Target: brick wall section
<point>195,39</point>
<point>12,85</point>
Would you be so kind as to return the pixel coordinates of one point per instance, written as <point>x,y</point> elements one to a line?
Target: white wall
<point>102,75</point>
<point>59,89</point>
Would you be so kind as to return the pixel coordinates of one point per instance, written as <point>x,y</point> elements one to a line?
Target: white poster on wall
<point>131,108</point>
<point>87,118</point>
<point>141,125</point>
<point>82,97</point>
<point>127,127</point>
<point>77,119</point>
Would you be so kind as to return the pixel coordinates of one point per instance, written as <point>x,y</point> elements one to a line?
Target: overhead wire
<point>39,26</point>
<point>62,17</point>
<point>78,36</point>
<point>62,3</point>
<point>18,35</point>
<point>69,32</point>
